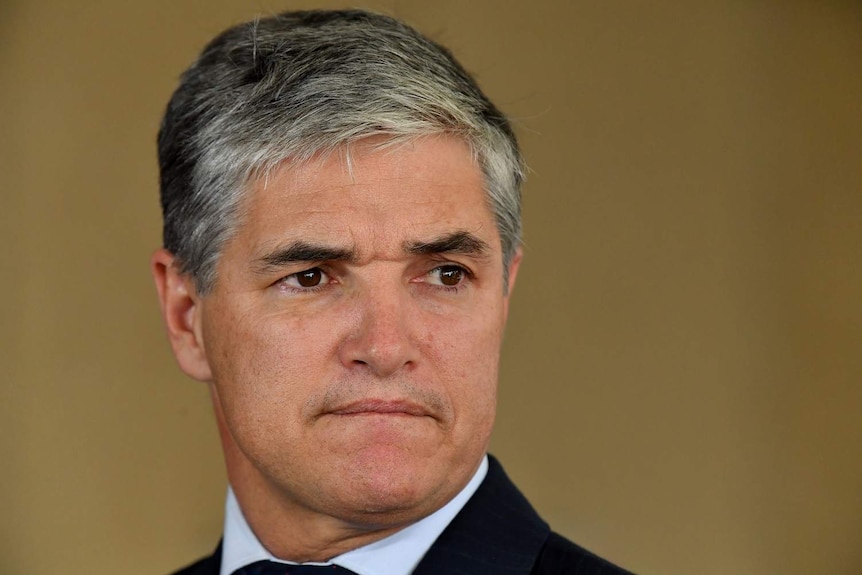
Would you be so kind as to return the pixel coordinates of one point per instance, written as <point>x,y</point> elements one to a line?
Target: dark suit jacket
<point>496,533</point>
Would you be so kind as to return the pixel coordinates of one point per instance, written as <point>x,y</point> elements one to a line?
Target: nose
<point>384,339</point>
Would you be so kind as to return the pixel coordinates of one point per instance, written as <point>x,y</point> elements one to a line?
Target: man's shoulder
<point>206,566</point>
<point>559,556</point>
<point>499,532</point>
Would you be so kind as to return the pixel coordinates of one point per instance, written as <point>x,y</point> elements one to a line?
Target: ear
<point>514,266</point>
<point>181,311</point>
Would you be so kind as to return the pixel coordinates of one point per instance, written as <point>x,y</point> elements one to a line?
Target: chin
<point>390,485</point>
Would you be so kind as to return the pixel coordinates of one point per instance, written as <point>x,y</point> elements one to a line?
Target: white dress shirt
<point>397,554</point>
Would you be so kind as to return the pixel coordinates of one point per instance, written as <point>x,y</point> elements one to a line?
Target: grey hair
<point>299,84</point>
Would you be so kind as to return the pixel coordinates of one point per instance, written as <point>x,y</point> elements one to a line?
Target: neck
<point>292,533</point>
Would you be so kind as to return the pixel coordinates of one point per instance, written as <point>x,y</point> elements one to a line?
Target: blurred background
<point>682,375</point>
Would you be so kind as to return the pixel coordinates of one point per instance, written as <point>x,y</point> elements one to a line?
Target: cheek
<point>265,368</point>
<point>470,356</point>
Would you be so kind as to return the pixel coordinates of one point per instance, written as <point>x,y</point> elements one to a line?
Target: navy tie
<point>272,568</point>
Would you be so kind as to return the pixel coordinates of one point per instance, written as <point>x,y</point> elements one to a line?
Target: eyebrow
<point>460,242</point>
<point>301,252</point>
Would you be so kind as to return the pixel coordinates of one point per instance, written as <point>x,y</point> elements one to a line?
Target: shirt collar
<point>397,554</point>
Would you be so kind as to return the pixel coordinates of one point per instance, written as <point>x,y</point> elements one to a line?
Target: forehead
<point>371,197</point>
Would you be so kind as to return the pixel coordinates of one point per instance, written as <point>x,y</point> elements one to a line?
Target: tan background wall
<point>681,387</point>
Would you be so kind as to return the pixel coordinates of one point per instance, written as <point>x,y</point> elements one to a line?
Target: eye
<point>306,279</point>
<point>448,275</point>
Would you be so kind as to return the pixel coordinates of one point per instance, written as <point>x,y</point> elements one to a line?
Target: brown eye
<point>451,275</point>
<point>309,278</point>
<point>306,281</point>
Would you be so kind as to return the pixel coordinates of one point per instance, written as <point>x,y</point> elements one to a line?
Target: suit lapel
<point>497,532</point>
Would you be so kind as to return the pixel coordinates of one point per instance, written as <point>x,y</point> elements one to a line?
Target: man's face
<point>352,337</point>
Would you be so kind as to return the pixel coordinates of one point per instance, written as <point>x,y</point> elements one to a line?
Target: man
<point>342,219</point>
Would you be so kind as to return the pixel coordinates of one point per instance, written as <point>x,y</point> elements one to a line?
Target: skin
<point>351,342</point>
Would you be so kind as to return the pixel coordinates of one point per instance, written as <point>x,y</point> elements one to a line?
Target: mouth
<point>381,407</point>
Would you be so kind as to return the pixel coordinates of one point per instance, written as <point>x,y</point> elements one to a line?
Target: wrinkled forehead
<point>343,156</point>
<point>374,189</point>
<point>326,177</point>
